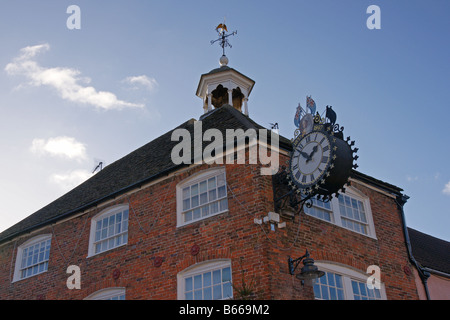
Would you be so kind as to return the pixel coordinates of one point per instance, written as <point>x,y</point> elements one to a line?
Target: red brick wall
<point>258,255</point>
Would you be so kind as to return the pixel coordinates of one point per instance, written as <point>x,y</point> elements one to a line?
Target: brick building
<point>147,228</point>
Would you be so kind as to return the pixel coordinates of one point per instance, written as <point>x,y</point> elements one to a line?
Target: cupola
<point>224,85</point>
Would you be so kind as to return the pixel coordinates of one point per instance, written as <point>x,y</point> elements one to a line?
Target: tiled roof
<point>140,166</point>
<point>430,252</point>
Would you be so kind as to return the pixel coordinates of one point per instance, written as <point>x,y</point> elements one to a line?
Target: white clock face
<point>310,159</point>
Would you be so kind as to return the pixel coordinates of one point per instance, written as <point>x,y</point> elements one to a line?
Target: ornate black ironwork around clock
<point>321,160</point>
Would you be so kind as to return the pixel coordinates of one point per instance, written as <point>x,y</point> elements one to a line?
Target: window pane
<point>194,201</point>
<point>207,293</point>
<point>203,198</point>
<point>330,279</point>
<point>198,295</point>
<point>340,294</point>
<point>342,210</point>
<point>355,287</point>
<point>217,290</point>
<point>203,186</point>
<point>194,190</point>
<point>207,279</point>
<point>349,212</point>
<point>377,294</point>
<point>317,291</point>
<point>325,293</point>
<point>227,292</point>
<point>221,192</point>
<point>186,204</point>
<point>362,288</point>
<point>223,204</point>
<point>347,201</point>
<point>221,180</point>
<point>226,274</point>
<point>197,213</point>
<point>186,192</point>
<point>205,211</point>
<point>198,281</point>
<point>216,277</point>
<point>320,209</point>
<point>214,207</point>
<point>112,220</point>
<point>363,217</point>
<point>212,183</point>
<point>333,295</point>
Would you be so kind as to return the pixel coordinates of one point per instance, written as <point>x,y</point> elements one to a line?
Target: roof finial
<point>221,30</point>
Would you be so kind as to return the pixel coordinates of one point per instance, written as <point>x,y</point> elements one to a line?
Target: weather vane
<point>221,29</point>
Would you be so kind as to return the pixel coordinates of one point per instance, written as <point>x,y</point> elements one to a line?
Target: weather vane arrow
<point>221,30</point>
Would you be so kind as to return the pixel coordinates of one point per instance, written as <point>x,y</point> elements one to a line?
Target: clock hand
<point>305,155</point>
<point>312,153</point>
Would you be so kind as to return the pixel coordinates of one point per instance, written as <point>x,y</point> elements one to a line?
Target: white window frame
<point>348,274</point>
<point>20,252</point>
<point>108,294</point>
<point>195,179</point>
<point>99,217</point>
<point>201,268</point>
<point>336,214</point>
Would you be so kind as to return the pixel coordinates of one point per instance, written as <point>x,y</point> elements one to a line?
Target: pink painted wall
<point>438,287</point>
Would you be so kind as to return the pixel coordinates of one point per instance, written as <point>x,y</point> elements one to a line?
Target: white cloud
<point>65,147</point>
<point>446,189</point>
<point>412,179</point>
<point>141,81</point>
<point>70,179</point>
<point>66,81</point>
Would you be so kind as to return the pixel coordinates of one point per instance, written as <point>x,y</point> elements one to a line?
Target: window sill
<point>337,225</point>
<point>34,275</point>
<point>90,255</point>
<point>202,219</point>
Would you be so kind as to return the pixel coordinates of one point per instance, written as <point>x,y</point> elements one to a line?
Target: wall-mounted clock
<point>321,161</point>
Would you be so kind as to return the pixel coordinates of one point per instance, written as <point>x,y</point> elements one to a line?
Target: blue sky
<point>69,98</point>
